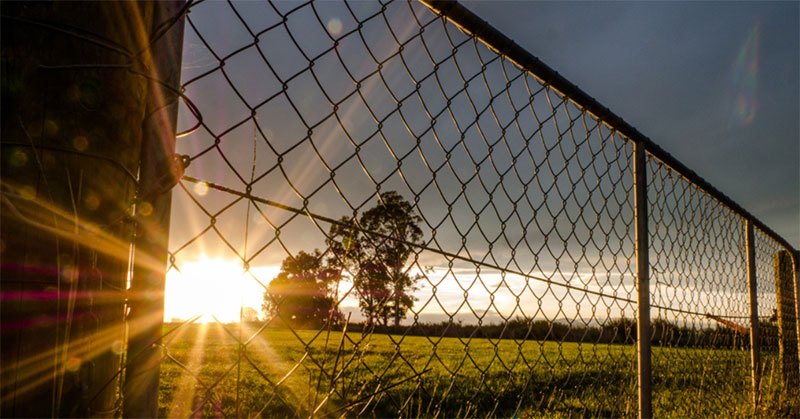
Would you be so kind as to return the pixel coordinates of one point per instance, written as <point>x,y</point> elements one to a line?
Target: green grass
<point>282,373</point>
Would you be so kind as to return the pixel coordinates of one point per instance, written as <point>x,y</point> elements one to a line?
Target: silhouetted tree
<point>375,252</point>
<point>249,315</point>
<point>301,294</point>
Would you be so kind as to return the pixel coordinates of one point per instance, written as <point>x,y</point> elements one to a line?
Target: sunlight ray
<point>184,400</point>
<point>34,371</point>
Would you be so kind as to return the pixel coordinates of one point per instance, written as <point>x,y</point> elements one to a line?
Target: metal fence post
<point>787,321</point>
<point>755,334</point>
<point>796,260</point>
<point>642,281</point>
<point>160,170</point>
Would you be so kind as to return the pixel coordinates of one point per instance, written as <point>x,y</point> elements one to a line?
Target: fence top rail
<point>497,41</point>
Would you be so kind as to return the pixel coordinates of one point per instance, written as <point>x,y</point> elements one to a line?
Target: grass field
<point>282,373</point>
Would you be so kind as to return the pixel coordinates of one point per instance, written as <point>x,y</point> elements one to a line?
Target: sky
<point>504,173</point>
<point>675,71</point>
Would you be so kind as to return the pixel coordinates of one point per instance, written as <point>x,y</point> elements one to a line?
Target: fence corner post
<point>755,333</point>
<point>642,281</point>
<point>71,120</point>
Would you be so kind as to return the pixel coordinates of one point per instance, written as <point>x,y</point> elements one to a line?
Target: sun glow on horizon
<point>214,289</point>
<point>220,290</point>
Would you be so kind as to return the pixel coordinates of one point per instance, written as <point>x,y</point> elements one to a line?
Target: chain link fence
<point>510,287</point>
<point>390,209</point>
<point>389,212</point>
<point>504,278</point>
<point>700,292</point>
<point>778,384</point>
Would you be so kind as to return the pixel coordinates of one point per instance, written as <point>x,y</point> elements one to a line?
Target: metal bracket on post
<point>755,334</point>
<point>172,170</point>
<point>642,281</point>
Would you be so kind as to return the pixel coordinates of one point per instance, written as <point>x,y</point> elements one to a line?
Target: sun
<point>214,289</point>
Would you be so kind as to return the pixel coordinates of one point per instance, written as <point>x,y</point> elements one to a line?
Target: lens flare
<point>118,347</point>
<point>335,26</point>
<point>18,158</point>
<point>80,143</point>
<point>201,188</point>
<point>744,103</point>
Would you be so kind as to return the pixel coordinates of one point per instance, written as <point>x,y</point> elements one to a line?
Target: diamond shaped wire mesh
<point>775,395</point>
<point>699,292</point>
<point>519,292</point>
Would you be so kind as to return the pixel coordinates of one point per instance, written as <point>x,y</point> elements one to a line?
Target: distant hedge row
<point>612,331</point>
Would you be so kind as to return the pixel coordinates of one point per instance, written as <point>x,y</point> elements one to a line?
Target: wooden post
<point>160,170</point>
<point>71,133</point>
<point>787,321</point>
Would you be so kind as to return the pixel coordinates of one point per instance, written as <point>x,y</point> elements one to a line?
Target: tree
<point>375,252</point>
<point>301,295</point>
<point>249,315</point>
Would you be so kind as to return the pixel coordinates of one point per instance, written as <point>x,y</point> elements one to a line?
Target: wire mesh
<point>383,216</point>
<point>774,394</point>
<point>700,295</point>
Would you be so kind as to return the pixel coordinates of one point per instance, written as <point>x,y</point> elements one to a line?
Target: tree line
<point>612,331</point>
